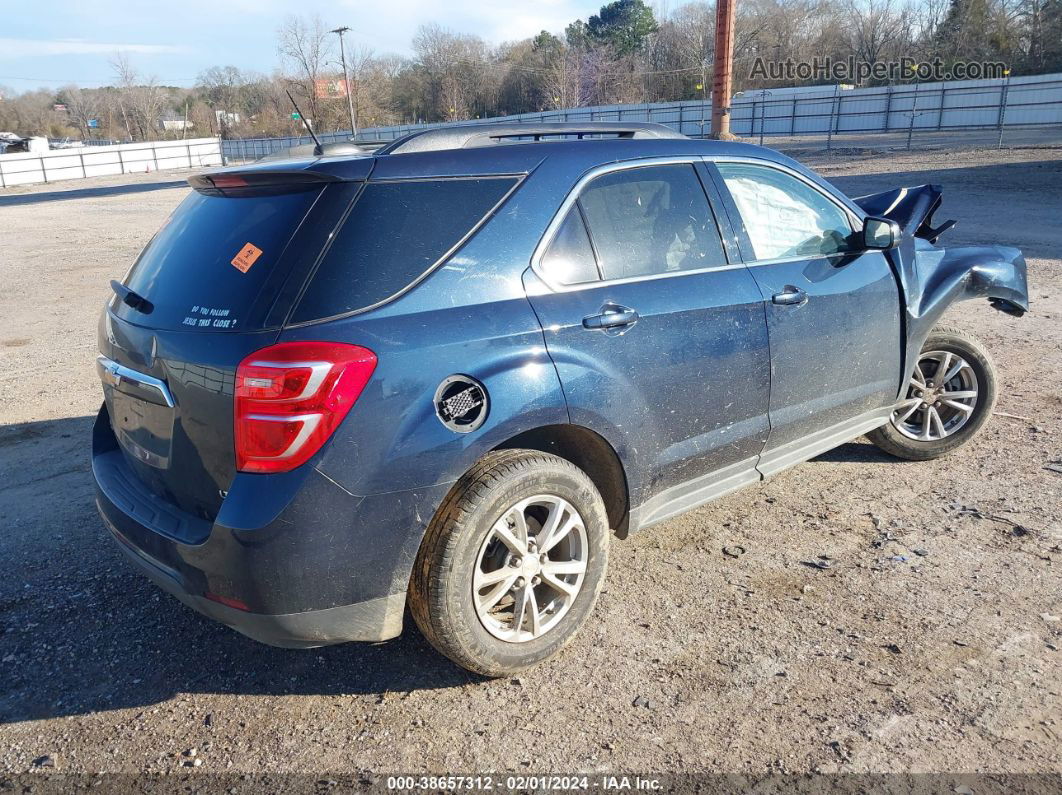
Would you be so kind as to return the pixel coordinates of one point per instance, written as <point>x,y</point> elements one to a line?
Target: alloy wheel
<point>530,568</point>
<point>941,397</point>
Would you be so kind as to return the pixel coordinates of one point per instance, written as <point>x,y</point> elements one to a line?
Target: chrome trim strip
<point>756,263</point>
<point>118,373</point>
<point>318,371</point>
<point>309,425</point>
<point>567,288</point>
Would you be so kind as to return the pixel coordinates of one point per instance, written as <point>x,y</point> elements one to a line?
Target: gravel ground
<point>931,644</point>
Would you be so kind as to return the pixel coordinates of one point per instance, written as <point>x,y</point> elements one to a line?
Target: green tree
<point>577,34</point>
<point>547,43</point>
<point>1042,21</point>
<point>966,32</point>
<point>624,25</point>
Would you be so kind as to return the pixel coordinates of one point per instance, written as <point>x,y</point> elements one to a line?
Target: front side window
<point>651,220</point>
<point>784,216</point>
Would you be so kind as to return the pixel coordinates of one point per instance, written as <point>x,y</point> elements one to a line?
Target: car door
<point>659,340</point>
<point>833,310</point>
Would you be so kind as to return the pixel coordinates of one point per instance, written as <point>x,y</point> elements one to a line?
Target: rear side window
<point>651,220</point>
<point>570,257</point>
<point>394,234</point>
<point>207,265</point>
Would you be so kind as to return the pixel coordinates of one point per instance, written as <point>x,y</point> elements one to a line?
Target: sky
<point>63,42</point>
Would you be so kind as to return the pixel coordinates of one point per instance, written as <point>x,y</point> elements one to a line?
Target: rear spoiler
<point>911,208</point>
<point>255,182</point>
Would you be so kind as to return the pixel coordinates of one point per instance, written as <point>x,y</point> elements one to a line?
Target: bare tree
<point>306,47</point>
<point>359,64</point>
<point>226,90</point>
<point>876,29</point>
<point>82,105</point>
<point>140,99</point>
<point>126,75</point>
<point>567,80</point>
<point>456,76</point>
<point>457,68</point>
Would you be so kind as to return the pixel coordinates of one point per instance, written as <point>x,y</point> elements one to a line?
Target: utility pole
<point>724,67</point>
<point>346,81</point>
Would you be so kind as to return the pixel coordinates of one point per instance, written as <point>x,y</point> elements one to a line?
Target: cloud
<point>31,48</point>
<point>393,24</point>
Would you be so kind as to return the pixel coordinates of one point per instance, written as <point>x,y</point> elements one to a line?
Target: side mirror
<point>880,234</point>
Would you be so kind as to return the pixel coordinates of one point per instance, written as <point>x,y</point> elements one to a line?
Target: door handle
<point>790,296</point>
<point>612,316</point>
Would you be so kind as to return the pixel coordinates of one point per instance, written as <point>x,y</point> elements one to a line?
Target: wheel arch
<point>593,454</point>
<point>947,275</point>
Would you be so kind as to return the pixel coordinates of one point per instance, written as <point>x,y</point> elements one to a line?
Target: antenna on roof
<point>306,123</point>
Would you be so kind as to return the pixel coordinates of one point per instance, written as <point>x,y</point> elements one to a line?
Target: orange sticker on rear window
<point>247,257</point>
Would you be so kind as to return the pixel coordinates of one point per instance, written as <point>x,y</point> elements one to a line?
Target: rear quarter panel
<point>471,317</point>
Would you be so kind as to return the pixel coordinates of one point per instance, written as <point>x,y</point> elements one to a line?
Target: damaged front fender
<point>933,277</point>
<point>954,274</point>
<point>944,276</point>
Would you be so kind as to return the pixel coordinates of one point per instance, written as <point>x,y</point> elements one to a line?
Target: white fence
<point>27,168</point>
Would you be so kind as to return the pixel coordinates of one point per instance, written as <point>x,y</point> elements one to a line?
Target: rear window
<point>207,266</point>
<point>394,234</point>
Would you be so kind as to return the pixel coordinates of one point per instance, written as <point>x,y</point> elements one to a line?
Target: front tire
<point>512,563</point>
<point>948,400</point>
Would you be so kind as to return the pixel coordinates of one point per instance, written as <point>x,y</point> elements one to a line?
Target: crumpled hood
<point>911,208</point>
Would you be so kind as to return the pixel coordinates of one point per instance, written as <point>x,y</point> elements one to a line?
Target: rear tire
<point>933,419</point>
<point>512,563</point>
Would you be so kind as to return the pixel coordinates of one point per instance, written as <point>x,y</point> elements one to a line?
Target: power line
<point>541,70</point>
<point>163,81</point>
<point>536,70</point>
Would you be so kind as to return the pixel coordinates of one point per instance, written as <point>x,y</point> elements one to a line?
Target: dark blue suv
<point>442,375</point>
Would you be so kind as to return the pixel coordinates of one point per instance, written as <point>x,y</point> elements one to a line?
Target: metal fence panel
<point>830,111</point>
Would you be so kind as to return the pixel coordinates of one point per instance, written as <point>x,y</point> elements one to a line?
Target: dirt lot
<point>932,644</point>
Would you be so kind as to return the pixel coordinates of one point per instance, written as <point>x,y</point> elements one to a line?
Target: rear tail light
<point>291,396</point>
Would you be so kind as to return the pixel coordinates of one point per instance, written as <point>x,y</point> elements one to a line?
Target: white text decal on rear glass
<point>209,317</point>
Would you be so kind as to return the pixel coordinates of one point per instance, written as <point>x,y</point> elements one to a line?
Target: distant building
<point>170,121</point>
<point>226,119</point>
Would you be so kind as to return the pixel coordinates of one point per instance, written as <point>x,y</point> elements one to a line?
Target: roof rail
<point>472,135</point>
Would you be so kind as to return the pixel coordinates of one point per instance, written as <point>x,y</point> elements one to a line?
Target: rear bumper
<point>292,560</point>
<point>374,620</point>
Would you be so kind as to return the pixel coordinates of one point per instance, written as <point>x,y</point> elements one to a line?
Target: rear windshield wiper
<point>131,299</point>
